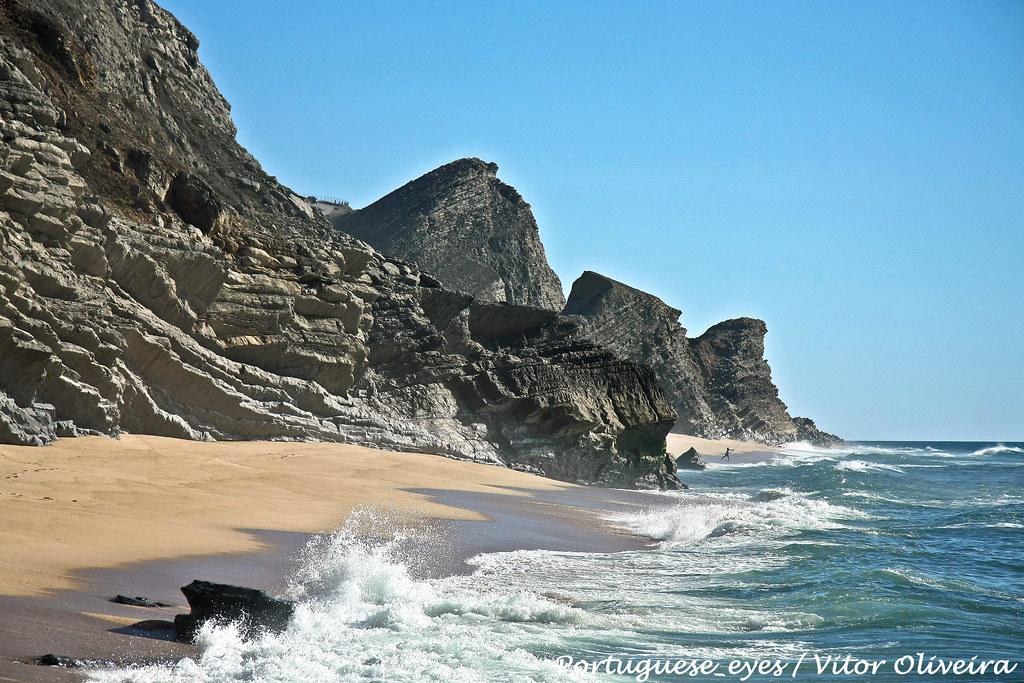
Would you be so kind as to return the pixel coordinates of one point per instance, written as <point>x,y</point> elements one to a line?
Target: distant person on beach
<point>727,452</point>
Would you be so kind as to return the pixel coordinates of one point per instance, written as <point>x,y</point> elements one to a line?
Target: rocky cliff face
<point>719,383</point>
<point>155,279</point>
<point>738,382</point>
<point>642,327</point>
<point>471,230</point>
<point>807,431</point>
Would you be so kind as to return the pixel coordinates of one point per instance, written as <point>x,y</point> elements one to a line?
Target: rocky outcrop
<point>137,601</point>
<point>331,210</point>
<point>691,460</point>
<point>253,609</point>
<point>738,382</point>
<point>642,327</point>
<point>154,279</point>
<point>58,660</point>
<point>471,230</point>
<point>719,383</point>
<point>807,431</point>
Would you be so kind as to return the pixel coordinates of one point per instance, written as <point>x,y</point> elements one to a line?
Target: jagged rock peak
<point>738,381</point>
<point>807,431</point>
<point>719,384</point>
<point>467,227</point>
<point>591,291</point>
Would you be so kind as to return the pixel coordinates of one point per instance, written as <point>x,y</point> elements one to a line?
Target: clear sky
<point>851,172</point>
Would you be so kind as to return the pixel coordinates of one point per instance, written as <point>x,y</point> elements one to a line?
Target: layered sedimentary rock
<point>155,280</point>
<point>719,383</point>
<point>471,230</point>
<point>641,326</point>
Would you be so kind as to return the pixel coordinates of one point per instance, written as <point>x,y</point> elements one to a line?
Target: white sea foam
<point>617,608</point>
<point>865,466</point>
<point>778,511</point>
<point>998,450</point>
<point>362,616</point>
<point>805,447</point>
<point>794,454</point>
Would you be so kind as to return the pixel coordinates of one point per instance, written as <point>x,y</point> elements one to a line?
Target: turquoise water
<point>878,551</point>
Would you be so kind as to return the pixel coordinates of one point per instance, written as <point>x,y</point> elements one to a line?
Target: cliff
<point>154,279</point>
<point>738,382</point>
<point>719,383</point>
<point>642,327</point>
<point>471,230</point>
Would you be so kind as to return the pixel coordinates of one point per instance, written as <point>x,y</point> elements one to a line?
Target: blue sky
<point>851,172</point>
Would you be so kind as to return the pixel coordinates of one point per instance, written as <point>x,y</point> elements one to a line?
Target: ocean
<point>882,561</point>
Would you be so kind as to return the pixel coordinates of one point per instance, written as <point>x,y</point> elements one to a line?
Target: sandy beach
<point>714,449</point>
<point>98,502</point>
<point>85,519</point>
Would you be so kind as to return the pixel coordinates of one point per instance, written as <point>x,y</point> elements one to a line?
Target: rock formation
<point>807,431</point>
<point>738,382</point>
<point>642,327</point>
<point>471,230</point>
<point>154,279</point>
<point>58,660</point>
<point>137,601</point>
<point>719,383</point>
<point>691,460</point>
<point>251,608</point>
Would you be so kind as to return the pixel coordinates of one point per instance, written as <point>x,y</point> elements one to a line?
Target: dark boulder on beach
<point>58,660</point>
<point>252,608</point>
<point>137,601</point>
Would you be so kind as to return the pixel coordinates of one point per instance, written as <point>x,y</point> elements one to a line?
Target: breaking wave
<point>998,450</point>
<point>865,466</point>
<point>361,615</point>
<point>778,511</point>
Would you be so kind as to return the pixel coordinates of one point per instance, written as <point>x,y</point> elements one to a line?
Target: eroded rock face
<point>642,327</point>
<point>738,382</point>
<point>719,383</point>
<point>691,460</point>
<point>155,280</point>
<point>807,431</point>
<point>471,230</point>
